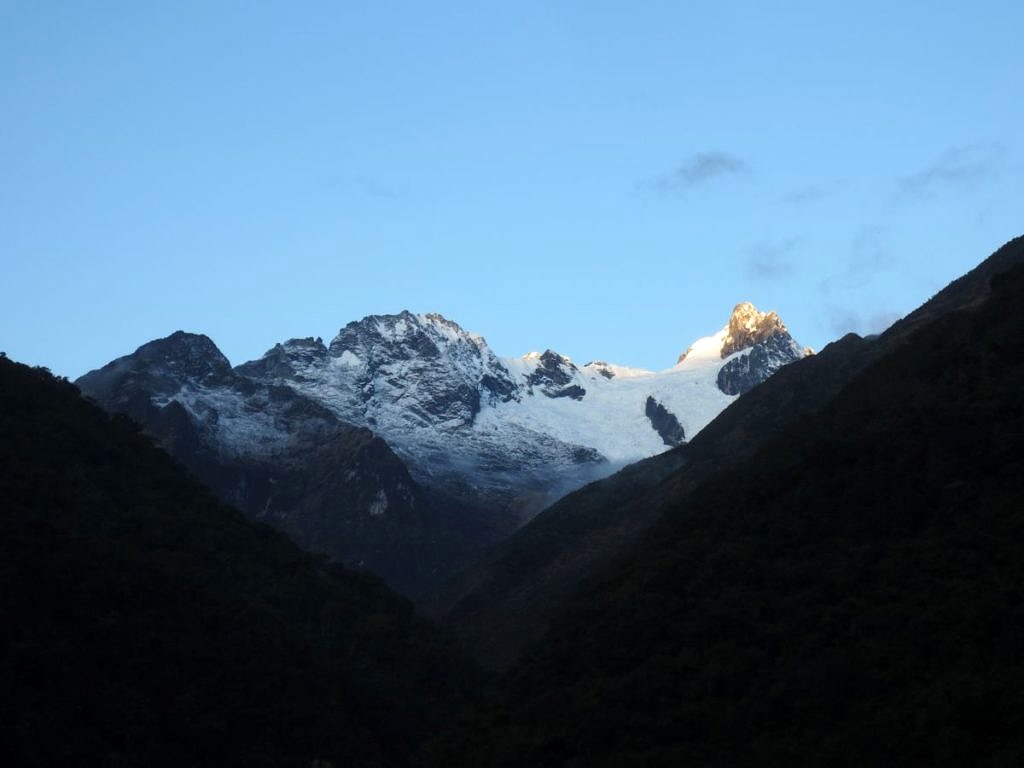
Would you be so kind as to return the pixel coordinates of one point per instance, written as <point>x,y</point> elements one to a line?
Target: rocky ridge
<point>349,445</point>
<point>517,432</point>
<point>282,458</point>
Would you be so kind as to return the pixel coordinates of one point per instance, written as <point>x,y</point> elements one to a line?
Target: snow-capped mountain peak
<point>186,355</point>
<point>747,326</point>
<point>552,375</point>
<point>514,431</point>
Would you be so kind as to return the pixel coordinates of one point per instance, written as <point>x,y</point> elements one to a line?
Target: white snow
<point>241,425</point>
<point>379,504</point>
<point>348,360</point>
<point>521,440</point>
<point>617,371</point>
<point>611,416</point>
<point>704,351</point>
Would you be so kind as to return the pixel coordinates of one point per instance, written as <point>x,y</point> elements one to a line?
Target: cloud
<point>373,188</point>
<point>843,320</point>
<point>770,260</point>
<point>358,183</point>
<point>700,169</point>
<point>957,168</point>
<point>868,255</point>
<point>812,193</point>
<point>880,320</point>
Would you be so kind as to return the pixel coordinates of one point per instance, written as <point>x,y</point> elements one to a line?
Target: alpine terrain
<point>147,623</point>
<point>828,573</point>
<point>521,584</point>
<point>848,592</point>
<point>406,444</point>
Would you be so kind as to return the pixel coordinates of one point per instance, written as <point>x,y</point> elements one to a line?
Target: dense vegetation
<point>851,595</point>
<point>145,623</point>
<point>316,478</point>
<point>522,584</point>
<point>818,578</point>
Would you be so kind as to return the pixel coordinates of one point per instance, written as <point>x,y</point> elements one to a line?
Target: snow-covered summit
<point>516,431</point>
<point>525,428</point>
<point>749,349</point>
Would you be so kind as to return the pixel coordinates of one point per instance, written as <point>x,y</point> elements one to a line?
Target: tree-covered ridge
<point>522,583</point>
<point>851,595</point>
<point>145,623</point>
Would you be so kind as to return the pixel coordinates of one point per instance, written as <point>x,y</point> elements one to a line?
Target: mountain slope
<point>850,595</point>
<point>297,438</point>
<point>145,623</point>
<point>507,599</point>
<point>514,434</point>
<point>283,459</point>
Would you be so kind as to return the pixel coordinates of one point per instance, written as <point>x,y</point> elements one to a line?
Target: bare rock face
<point>554,377</point>
<point>665,423</point>
<point>747,326</point>
<point>746,371</point>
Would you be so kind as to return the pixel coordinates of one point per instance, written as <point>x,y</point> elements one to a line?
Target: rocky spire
<point>747,327</point>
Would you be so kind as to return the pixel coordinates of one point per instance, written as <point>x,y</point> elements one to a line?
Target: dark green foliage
<point>145,623</point>
<point>851,595</point>
<point>509,597</point>
<point>318,486</point>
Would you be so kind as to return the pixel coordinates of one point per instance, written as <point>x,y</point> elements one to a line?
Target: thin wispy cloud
<point>867,256</point>
<point>843,320</point>
<point>771,260</point>
<point>700,169</point>
<point>957,168</point>
<point>812,193</point>
<point>880,320</point>
<point>868,252</point>
<point>358,183</point>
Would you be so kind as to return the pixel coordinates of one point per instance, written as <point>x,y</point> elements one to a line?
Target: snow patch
<point>379,504</point>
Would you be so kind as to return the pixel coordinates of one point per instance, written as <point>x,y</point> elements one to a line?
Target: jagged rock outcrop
<point>765,341</point>
<point>665,423</point>
<point>601,367</point>
<point>747,327</point>
<point>744,372</point>
<point>554,376</point>
<point>283,360</point>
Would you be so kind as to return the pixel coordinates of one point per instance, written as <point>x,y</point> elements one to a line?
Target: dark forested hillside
<point>285,460</point>
<point>510,596</point>
<point>145,623</point>
<point>853,594</point>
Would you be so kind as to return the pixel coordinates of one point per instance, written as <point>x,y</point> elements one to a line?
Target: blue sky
<point>605,179</point>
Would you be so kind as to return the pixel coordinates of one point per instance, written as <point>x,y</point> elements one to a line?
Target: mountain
<point>848,593</point>
<point>521,584</point>
<point>423,384</point>
<point>516,432</point>
<point>146,623</point>
<point>480,443</point>
<point>282,458</point>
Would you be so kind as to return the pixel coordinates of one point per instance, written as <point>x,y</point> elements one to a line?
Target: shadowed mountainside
<point>507,599</point>
<point>285,460</point>
<point>146,623</point>
<point>850,594</point>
